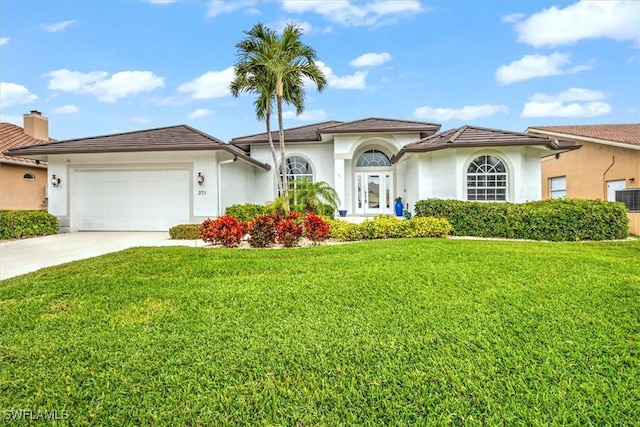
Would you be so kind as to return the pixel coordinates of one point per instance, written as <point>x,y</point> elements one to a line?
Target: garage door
<point>131,200</point>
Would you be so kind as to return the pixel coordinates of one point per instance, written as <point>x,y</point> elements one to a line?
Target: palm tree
<point>311,195</point>
<point>283,61</point>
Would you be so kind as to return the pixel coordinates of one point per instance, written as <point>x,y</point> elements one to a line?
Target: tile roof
<point>304,133</point>
<point>13,136</point>
<point>473,136</point>
<point>625,133</point>
<point>313,132</point>
<point>172,138</point>
<point>375,124</point>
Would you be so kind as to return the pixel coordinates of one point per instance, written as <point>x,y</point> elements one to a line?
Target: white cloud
<point>307,116</point>
<point>353,81</point>
<point>378,12</point>
<point>305,26</point>
<point>104,88</point>
<point>616,20</point>
<point>533,66</point>
<point>218,7</point>
<point>213,84</point>
<point>58,26</point>
<point>67,109</point>
<point>199,113</point>
<point>141,120</point>
<point>468,112</point>
<point>371,59</point>
<point>514,17</point>
<point>573,102</point>
<point>4,40</point>
<point>15,94</point>
<point>16,120</point>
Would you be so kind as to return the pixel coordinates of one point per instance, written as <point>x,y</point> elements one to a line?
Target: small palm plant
<point>311,196</point>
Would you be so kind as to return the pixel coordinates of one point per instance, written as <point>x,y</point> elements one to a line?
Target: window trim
<point>552,191</point>
<point>506,174</point>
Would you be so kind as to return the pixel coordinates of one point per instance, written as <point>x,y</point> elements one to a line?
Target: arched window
<point>29,177</point>
<point>298,169</point>
<point>487,179</point>
<point>373,158</point>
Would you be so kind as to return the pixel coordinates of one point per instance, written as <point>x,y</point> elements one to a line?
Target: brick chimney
<point>36,126</point>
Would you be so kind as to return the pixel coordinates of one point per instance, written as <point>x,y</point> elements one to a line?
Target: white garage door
<point>131,200</point>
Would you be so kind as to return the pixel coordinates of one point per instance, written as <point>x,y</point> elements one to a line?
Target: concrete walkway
<point>24,256</point>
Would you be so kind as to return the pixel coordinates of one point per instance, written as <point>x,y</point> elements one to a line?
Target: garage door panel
<point>132,200</point>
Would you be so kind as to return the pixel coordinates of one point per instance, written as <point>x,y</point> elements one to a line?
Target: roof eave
<point>538,131</point>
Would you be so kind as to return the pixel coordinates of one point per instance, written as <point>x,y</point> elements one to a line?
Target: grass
<point>399,332</point>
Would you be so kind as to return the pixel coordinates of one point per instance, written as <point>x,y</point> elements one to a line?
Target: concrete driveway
<point>24,256</point>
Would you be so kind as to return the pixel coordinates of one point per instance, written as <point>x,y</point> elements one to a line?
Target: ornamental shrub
<point>343,230</point>
<point>246,211</point>
<point>225,230</point>
<point>185,232</point>
<point>29,223</point>
<point>289,232</point>
<point>428,227</point>
<point>262,230</point>
<point>389,227</point>
<point>316,229</point>
<point>554,220</point>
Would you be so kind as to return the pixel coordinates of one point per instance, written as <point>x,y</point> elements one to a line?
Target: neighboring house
<point>157,178</point>
<point>23,181</point>
<point>608,161</point>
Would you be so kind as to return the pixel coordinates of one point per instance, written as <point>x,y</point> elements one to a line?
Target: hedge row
<point>21,224</point>
<point>388,227</point>
<point>185,232</point>
<point>554,220</point>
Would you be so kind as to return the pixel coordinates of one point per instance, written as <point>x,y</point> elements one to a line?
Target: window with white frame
<point>558,187</point>
<point>373,158</point>
<point>298,169</point>
<point>487,179</point>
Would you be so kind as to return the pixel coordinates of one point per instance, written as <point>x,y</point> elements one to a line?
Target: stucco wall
<point>237,178</point>
<point>634,223</point>
<point>19,193</point>
<point>589,168</point>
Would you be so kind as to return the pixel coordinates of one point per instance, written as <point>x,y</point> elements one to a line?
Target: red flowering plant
<point>225,230</point>
<point>289,232</point>
<point>262,230</point>
<point>315,228</point>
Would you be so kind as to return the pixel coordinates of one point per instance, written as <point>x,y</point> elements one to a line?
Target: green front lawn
<point>397,332</point>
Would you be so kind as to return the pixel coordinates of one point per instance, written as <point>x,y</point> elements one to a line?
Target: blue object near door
<point>399,207</point>
<point>342,213</point>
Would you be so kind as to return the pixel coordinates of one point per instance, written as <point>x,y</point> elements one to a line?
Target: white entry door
<point>373,193</point>
<point>612,187</point>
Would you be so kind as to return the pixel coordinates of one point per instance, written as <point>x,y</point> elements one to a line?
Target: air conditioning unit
<point>630,197</point>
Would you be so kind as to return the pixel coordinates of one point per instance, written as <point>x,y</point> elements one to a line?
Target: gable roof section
<point>376,124</point>
<point>172,138</point>
<point>313,132</point>
<point>624,135</point>
<point>473,136</point>
<point>13,136</point>
<point>306,133</point>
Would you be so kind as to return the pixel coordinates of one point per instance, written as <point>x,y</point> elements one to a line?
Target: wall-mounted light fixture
<point>632,179</point>
<point>200,178</point>
<point>55,181</point>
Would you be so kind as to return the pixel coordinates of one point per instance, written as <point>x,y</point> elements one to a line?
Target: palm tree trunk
<point>274,156</point>
<point>285,187</point>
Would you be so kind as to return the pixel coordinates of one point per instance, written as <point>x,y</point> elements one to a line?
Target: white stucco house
<point>157,178</point>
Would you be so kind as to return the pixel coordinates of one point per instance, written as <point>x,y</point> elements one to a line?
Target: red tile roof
<point>13,136</point>
<point>474,136</point>
<point>625,133</point>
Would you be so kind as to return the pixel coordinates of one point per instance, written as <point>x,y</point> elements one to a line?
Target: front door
<point>373,193</point>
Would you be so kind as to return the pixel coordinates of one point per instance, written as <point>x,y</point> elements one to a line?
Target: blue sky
<point>98,67</point>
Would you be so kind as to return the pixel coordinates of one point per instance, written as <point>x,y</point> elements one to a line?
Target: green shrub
<point>343,230</point>
<point>21,224</point>
<point>185,232</point>
<point>555,220</point>
<point>428,227</point>
<point>389,227</point>
<point>246,211</point>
